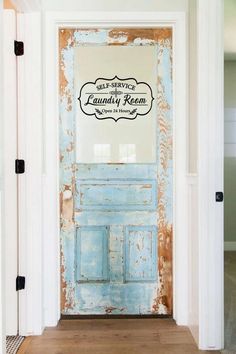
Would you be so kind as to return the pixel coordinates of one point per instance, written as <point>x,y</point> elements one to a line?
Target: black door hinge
<point>219,196</point>
<point>20,283</point>
<point>19,166</point>
<point>18,48</point>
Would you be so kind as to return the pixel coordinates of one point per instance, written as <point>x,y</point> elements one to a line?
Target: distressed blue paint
<point>106,279</point>
<point>68,246</point>
<point>91,37</point>
<point>165,89</point>
<point>91,262</point>
<point>116,253</point>
<point>115,298</point>
<point>116,195</point>
<point>116,218</point>
<point>140,253</point>
<point>116,171</point>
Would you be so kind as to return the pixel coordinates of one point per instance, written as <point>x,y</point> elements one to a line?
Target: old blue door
<point>116,218</point>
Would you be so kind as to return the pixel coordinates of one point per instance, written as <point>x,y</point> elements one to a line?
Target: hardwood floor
<point>112,336</point>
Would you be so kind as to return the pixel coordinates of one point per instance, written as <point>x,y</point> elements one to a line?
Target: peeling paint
<point>111,309</point>
<point>151,34</point>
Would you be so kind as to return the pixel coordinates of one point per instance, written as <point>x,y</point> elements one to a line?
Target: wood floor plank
<point>25,345</point>
<point>113,336</point>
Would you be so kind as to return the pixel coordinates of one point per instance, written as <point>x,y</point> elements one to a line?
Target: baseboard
<point>230,246</point>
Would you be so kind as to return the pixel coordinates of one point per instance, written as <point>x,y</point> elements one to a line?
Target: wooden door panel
<point>116,195</point>
<point>140,254</point>
<point>92,264</point>
<point>115,218</point>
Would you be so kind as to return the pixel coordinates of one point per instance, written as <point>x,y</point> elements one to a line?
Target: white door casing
<point>29,69</point>
<point>9,177</point>
<point>210,53</point>
<point>54,21</point>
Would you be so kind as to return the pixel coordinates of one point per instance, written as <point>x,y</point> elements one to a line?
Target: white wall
<point>112,5</point>
<point>192,87</point>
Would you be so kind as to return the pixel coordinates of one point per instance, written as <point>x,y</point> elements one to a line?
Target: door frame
<point>10,200</point>
<point>210,116</point>
<point>210,328</point>
<point>51,246</point>
<point>29,91</point>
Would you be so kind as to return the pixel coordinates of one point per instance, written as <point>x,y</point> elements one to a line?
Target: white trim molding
<point>230,245</point>
<point>210,173</point>
<point>51,250</point>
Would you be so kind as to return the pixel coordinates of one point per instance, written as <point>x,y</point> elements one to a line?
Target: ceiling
<point>230,29</point>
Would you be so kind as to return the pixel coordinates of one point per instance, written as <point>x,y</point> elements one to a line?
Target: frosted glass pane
<point>116,104</point>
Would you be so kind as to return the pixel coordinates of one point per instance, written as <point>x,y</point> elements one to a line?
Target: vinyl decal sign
<point>116,98</point>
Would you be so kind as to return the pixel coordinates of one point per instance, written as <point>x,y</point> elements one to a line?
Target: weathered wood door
<point>116,218</point>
